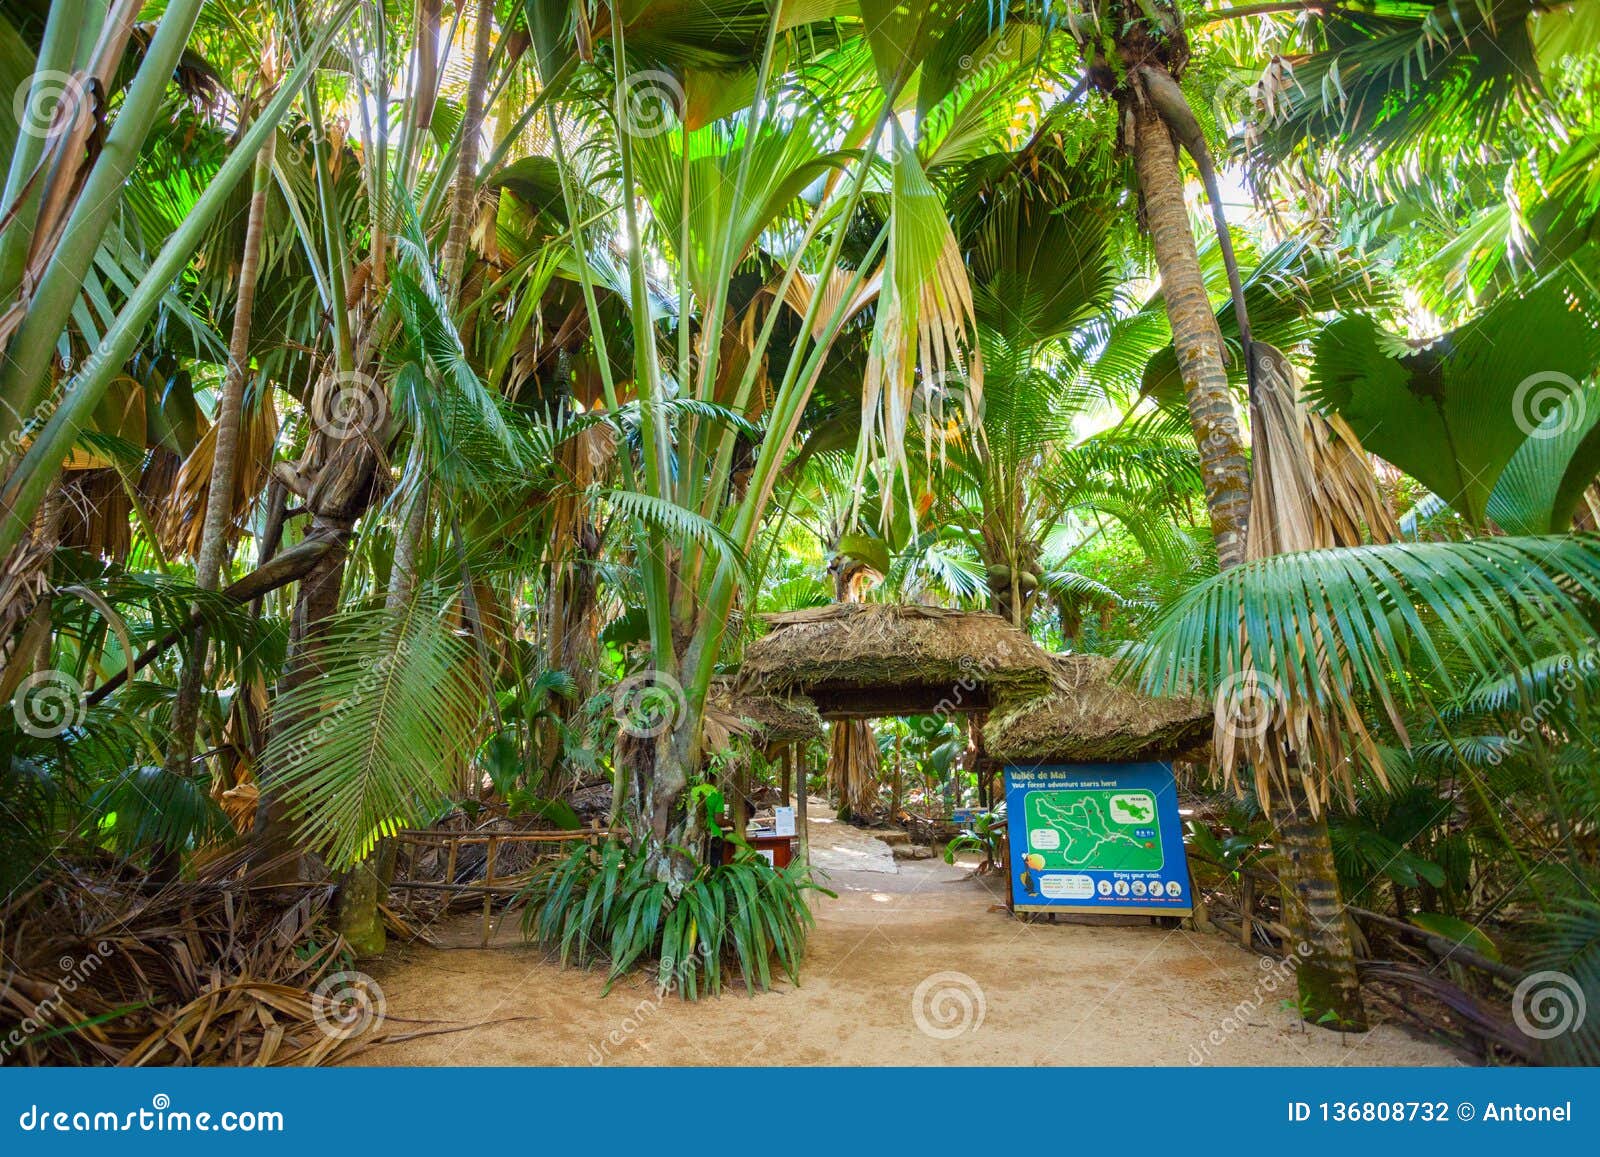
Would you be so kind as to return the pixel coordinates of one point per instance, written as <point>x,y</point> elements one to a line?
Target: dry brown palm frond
<point>805,286</point>
<point>107,971</point>
<point>931,331</point>
<point>768,718</point>
<point>180,510</point>
<point>1312,488</point>
<point>102,969</point>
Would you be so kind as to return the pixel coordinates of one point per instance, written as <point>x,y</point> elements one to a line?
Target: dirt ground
<point>913,967</point>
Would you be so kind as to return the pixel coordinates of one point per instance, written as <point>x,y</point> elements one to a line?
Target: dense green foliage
<point>607,905</point>
<point>412,409</point>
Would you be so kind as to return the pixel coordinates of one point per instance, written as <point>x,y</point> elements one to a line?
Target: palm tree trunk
<point>316,602</point>
<point>1195,336</point>
<point>1327,977</point>
<point>224,463</point>
<point>407,545</point>
<point>338,480</point>
<point>1314,913</point>
<point>853,768</point>
<point>453,259</point>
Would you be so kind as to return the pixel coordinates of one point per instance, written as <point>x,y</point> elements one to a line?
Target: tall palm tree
<point>1152,51</point>
<point>224,463</point>
<point>1151,48</point>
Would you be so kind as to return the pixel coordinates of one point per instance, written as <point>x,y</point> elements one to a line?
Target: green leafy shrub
<point>608,903</point>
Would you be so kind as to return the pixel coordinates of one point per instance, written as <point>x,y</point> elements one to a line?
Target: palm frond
<point>381,735</point>
<point>1382,618</point>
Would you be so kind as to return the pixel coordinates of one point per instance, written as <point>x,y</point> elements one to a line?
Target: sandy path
<point>1128,994</point>
<point>839,847</point>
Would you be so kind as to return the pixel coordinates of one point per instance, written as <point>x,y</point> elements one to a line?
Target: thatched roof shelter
<point>1094,720</point>
<point>764,719</point>
<point>864,660</point>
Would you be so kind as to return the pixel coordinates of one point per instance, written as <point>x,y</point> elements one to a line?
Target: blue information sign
<point>1096,837</point>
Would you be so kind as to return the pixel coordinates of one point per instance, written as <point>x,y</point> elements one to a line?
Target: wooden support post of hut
<point>802,829</point>
<point>758,722</point>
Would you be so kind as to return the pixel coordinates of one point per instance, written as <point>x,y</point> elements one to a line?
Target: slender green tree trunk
<point>363,889</point>
<point>224,464</point>
<point>454,257</point>
<point>407,546</point>
<point>24,373</point>
<point>452,263</point>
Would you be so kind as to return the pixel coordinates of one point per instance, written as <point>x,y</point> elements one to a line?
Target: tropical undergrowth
<point>745,919</point>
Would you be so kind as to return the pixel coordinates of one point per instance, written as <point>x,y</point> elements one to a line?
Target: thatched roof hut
<point>1094,720</point>
<point>864,660</point>
<point>764,719</point>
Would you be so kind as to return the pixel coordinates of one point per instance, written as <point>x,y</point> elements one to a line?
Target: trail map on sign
<point>1109,830</point>
<point>1096,837</point>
